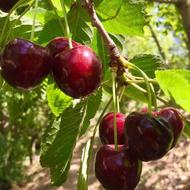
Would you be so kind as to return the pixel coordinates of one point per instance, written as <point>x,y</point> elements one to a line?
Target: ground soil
<point>172,172</point>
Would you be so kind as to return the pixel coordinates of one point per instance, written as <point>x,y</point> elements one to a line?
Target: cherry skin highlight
<point>59,44</point>
<point>175,121</point>
<point>7,5</point>
<point>149,137</point>
<point>25,64</point>
<point>117,169</point>
<point>106,129</point>
<point>77,71</point>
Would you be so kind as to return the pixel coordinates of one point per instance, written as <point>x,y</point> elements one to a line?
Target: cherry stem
<point>34,21</point>
<point>141,81</point>
<point>114,74</point>
<point>147,86</point>
<point>66,24</point>
<point>144,91</point>
<point>150,88</point>
<point>117,102</point>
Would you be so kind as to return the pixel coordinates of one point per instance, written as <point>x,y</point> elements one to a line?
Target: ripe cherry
<point>60,44</point>
<point>149,137</point>
<point>106,129</point>
<point>7,5</point>
<point>25,64</point>
<point>175,121</point>
<point>77,71</point>
<point>117,169</point>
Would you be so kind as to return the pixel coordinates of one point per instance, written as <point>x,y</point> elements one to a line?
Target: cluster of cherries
<point>141,137</point>
<point>77,70</point>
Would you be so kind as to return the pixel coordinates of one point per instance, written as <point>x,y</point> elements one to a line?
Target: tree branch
<point>157,43</point>
<point>114,52</point>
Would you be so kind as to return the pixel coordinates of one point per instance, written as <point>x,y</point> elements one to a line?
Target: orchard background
<point>46,123</point>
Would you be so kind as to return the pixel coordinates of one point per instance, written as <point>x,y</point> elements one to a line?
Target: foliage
<point>46,111</point>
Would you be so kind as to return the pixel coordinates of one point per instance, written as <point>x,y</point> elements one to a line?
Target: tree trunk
<point>184,10</point>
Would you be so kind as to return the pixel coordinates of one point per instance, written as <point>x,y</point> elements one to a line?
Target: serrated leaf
<point>122,17</point>
<point>79,27</point>
<point>50,135</point>
<point>148,63</point>
<point>93,104</point>
<point>57,100</point>
<point>82,183</point>
<point>57,156</point>
<point>176,85</point>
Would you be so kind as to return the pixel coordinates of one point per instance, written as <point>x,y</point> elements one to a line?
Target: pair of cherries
<point>77,70</point>
<point>141,137</point>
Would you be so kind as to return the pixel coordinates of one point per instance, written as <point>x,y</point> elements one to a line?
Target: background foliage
<point>46,111</point>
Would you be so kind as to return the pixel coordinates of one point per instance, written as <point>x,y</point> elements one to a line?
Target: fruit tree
<point>68,68</point>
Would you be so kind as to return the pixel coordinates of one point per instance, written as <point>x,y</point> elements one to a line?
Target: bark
<point>184,10</point>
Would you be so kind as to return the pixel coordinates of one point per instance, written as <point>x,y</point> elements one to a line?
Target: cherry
<point>7,5</point>
<point>175,121</point>
<point>149,137</point>
<point>25,64</point>
<point>106,129</point>
<point>77,71</point>
<point>117,169</point>
<point>60,44</point>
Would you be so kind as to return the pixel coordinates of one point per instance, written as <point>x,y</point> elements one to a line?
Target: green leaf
<point>57,100</point>
<point>135,94</point>
<point>98,46</point>
<point>176,85</point>
<point>58,154</point>
<point>50,30</point>
<point>148,63</point>
<point>50,135</point>
<point>57,4</point>
<point>122,17</point>
<point>78,23</point>
<point>93,104</point>
<point>84,167</point>
<point>186,130</point>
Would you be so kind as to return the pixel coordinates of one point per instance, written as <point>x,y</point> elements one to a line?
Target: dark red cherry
<point>149,137</point>
<point>117,170</point>
<point>175,121</point>
<point>60,44</point>
<point>7,5</point>
<point>78,71</point>
<point>106,129</point>
<point>25,64</point>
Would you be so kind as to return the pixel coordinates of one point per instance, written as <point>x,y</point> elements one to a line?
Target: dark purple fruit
<point>175,121</point>
<point>117,170</point>
<point>78,71</point>
<point>60,44</point>
<point>106,129</point>
<point>7,5</point>
<point>25,64</point>
<point>149,137</point>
